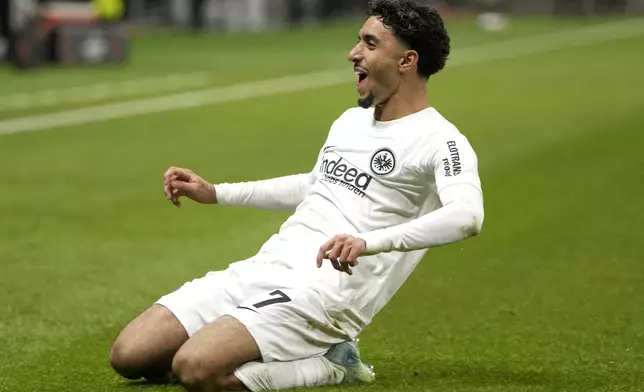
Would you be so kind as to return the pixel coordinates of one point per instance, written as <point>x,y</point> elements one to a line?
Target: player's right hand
<point>178,182</point>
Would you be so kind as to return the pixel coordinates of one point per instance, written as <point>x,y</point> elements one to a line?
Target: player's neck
<point>402,104</point>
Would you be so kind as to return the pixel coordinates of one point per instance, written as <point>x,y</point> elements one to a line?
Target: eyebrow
<point>370,37</point>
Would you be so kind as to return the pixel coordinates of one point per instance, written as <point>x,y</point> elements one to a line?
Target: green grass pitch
<point>549,298</point>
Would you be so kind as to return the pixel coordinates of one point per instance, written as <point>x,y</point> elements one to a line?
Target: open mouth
<point>362,75</point>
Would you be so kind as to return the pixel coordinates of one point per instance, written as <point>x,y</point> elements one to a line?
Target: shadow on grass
<point>145,384</point>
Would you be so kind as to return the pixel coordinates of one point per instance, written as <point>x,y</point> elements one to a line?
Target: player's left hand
<point>342,251</point>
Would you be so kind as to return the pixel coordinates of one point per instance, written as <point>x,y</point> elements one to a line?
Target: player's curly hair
<point>418,26</point>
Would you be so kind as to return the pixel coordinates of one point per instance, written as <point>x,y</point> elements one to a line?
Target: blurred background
<point>98,98</point>
<point>55,20</point>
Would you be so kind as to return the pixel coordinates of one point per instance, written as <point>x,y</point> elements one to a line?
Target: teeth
<point>361,75</point>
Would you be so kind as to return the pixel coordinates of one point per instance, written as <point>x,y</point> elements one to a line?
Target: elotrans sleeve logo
<point>335,170</point>
<point>452,164</point>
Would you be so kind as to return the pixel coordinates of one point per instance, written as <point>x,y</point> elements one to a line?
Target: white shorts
<point>287,319</point>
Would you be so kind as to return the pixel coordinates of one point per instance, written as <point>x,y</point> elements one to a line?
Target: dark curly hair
<point>418,26</point>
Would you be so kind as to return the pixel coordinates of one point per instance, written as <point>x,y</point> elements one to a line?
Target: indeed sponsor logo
<point>336,170</point>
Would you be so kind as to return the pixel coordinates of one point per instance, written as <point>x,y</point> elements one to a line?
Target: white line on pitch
<point>102,91</point>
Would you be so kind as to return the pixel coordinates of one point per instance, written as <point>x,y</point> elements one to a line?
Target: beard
<point>366,102</point>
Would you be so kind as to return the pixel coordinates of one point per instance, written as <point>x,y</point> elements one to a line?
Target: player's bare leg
<point>206,362</point>
<point>146,346</point>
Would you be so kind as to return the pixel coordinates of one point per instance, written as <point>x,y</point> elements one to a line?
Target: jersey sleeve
<point>280,193</point>
<point>460,217</point>
<point>453,161</point>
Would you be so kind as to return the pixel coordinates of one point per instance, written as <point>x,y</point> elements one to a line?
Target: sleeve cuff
<point>376,241</point>
<point>222,193</point>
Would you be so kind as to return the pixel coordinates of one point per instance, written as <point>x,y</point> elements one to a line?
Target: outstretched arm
<point>277,193</point>
<point>281,193</point>
<point>285,192</point>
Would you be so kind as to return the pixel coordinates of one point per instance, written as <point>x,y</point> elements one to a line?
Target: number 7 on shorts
<point>280,298</point>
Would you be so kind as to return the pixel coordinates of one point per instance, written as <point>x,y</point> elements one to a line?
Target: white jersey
<point>374,180</point>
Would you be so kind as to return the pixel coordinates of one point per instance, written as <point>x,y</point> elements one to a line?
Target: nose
<point>355,55</point>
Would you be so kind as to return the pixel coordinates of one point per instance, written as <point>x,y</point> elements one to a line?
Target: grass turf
<point>548,298</point>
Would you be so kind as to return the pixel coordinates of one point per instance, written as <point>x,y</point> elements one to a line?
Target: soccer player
<point>393,179</point>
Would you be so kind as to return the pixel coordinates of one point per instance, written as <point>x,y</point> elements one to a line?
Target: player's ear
<point>408,60</point>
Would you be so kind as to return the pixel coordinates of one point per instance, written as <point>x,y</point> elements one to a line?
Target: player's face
<point>376,58</point>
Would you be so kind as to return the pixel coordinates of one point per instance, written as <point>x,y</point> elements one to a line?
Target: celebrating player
<point>393,179</point>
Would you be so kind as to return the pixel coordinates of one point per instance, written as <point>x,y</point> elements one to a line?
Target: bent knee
<point>189,370</point>
<point>196,374</point>
<point>125,360</point>
<point>145,347</point>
